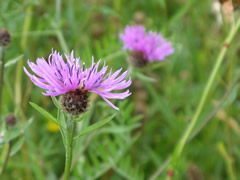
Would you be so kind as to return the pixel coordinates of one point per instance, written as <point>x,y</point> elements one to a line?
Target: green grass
<point>139,141</point>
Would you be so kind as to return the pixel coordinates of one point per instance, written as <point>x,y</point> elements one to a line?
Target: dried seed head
<point>137,59</point>
<point>5,37</point>
<point>11,120</point>
<point>75,102</point>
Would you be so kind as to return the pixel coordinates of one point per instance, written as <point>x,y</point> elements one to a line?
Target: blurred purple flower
<point>58,77</point>
<point>152,45</point>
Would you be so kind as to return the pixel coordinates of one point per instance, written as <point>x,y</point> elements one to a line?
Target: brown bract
<point>137,59</point>
<point>75,102</point>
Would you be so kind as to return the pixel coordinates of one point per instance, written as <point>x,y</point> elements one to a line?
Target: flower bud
<point>11,120</point>
<point>5,37</point>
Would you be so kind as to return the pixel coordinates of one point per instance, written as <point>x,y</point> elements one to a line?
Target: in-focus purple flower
<point>74,82</point>
<point>151,46</point>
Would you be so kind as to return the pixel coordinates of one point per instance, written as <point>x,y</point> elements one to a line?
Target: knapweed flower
<point>74,82</point>
<point>145,47</point>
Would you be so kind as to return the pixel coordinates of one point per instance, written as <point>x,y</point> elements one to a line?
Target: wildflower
<point>74,82</point>
<point>5,37</point>
<point>145,47</point>
<point>52,127</point>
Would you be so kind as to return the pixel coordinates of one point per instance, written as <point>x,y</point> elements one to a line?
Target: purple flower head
<point>152,45</point>
<point>59,77</point>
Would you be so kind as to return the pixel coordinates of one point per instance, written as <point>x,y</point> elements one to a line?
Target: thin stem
<point>182,142</point>
<point>69,147</point>
<point>195,133</point>
<point>1,79</point>
<point>4,157</point>
<point>62,41</point>
<point>212,113</point>
<point>18,78</point>
<point>58,30</point>
<point>160,170</point>
<point>228,160</point>
<point>58,11</point>
<point>19,70</point>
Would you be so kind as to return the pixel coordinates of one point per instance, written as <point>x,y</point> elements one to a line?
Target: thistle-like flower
<point>145,47</point>
<point>74,82</point>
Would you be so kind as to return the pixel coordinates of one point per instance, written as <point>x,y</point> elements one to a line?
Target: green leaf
<point>80,118</point>
<point>56,102</point>
<point>107,11</point>
<point>232,96</point>
<point>17,146</point>
<point>145,78</point>
<point>17,131</point>
<point>163,105</point>
<point>45,113</point>
<point>119,129</point>
<point>34,166</point>
<point>162,3</point>
<point>95,126</point>
<point>13,61</point>
<point>115,55</point>
<point>136,119</point>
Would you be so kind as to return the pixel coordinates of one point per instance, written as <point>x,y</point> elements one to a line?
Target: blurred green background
<point>137,144</point>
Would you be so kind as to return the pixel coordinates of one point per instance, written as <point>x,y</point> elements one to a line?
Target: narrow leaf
<point>13,61</point>
<point>17,131</point>
<point>17,146</point>
<point>80,118</point>
<point>145,78</point>
<point>119,129</point>
<point>232,96</point>
<point>56,102</point>
<point>95,126</point>
<point>45,113</point>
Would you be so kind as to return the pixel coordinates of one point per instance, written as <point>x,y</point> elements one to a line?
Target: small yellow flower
<point>52,127</point>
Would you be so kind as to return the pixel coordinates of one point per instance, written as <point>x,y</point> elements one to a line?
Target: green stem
<point>19,68</point>
<point>62,41</point>
<point>1,80</point>
<point>228,160</point>
<point>4,157</point>
<point>182,142</point>
<point>58,11</point>
<point>69,147</point>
